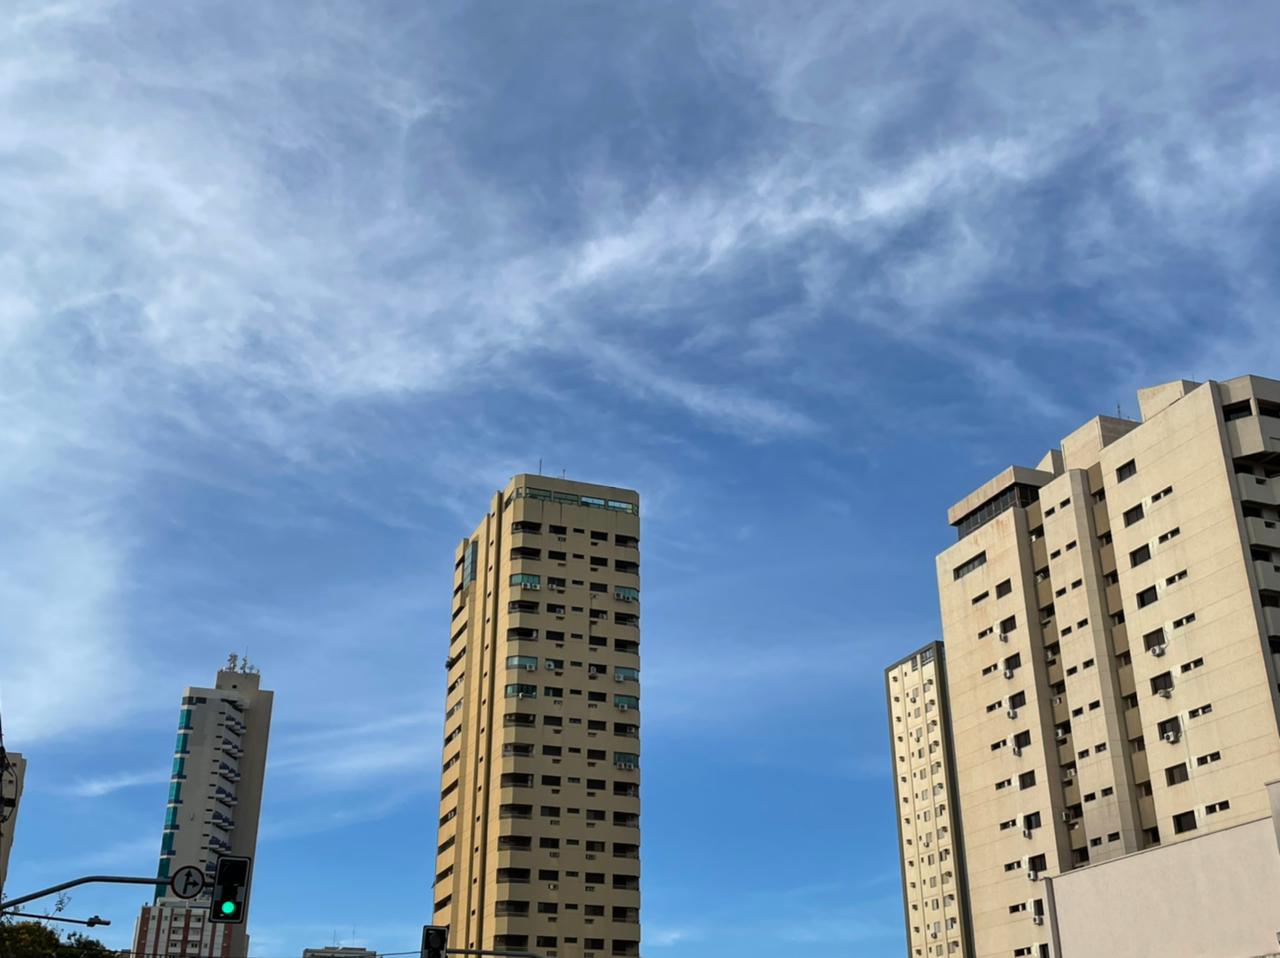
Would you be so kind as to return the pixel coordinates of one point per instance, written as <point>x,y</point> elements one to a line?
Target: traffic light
<point>435,941</point>
<point>230,889</point>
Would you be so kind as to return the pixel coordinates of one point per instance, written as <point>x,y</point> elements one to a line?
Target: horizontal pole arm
<point>87,880</point>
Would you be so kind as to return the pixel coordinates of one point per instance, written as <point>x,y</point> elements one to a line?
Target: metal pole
<point>95,920</point>
<point>88,879</point>
<point>498,954</point>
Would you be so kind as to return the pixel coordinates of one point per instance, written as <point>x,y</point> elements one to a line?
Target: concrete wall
<point>1215,896</point>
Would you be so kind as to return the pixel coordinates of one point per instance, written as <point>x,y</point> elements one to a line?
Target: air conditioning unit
<point>1158,650</point>
<point>624,708</point>
<point>1017,750</point>
<point>1026,833</point>
<point>1012,713</point>
<point>1071,773</point>
<point>1004,636</point>
<point>619,677</point>
<point>1170,736</point>
<point>1060,734</point>
<point>552,885</point>
<point>1066,817</point>
<point>1008,673</point>
<point>548,666</point>
<point>1164,693</point>
<point>1033,875</point>
<point>524,695</point>
<point>531,668</point>
<point>1037,919</point>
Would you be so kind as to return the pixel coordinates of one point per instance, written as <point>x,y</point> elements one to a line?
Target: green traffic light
<point>228,907</point>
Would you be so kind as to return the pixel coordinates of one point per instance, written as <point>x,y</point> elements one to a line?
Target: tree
<point>31,939</point>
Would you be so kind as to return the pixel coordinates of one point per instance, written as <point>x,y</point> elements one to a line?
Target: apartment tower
<point>1112,625</point>
<point>934,889</point>
<point>215,793</point>
<point>539,837</point>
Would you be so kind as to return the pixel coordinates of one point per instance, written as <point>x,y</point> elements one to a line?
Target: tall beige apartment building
<point>934,888</point>
<point>215,794</point>
<point>1112,626</point>
<point>539,837</point>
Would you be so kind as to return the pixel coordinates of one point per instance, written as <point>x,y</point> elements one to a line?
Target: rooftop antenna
<point>539,467</point>
<point>231,662</point>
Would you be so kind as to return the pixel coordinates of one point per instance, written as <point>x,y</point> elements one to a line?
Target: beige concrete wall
<point>1216,896</point>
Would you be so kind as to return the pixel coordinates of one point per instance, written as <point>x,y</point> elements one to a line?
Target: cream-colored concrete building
<point>215,794</point>
<point>1112,625</point>
<point>934,889</point>
<point>539,836</point>
<point>1215,895</point>
<point>12,773</point>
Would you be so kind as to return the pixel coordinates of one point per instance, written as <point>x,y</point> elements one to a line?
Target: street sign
<point>187,882</point>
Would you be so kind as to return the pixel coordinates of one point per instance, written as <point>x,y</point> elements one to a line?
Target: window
<point>1126,470</point>
<point>1162,683</point>
<point>1166,491</point>
<point>1221,806</point>
<point>1207,759</point>
<point>1185,620</point>
<point>1202,710</point>
<point>519,691</point>
<point>1176,774</point>
<point>1237,410</point>
<point>1027,779</point>
<point>1004,588</point>
<point>980,597</point>
<point>526,580</point>
<point>1171,534</point>
<point>529,662</point>
<point>1184,822</point>
<point>1017,700</point>
<point>1139,556</point>
<point>1147,597</point>
<point>1170,728</point>
<point>1193,664</point>
<point>1133,515</point>
<point>964,568</point>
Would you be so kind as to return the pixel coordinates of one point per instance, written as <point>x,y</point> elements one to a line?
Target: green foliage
<point>32,939</point>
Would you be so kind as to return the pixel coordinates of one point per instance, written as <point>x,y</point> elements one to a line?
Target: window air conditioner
<point>1170,736</point>
<point>1008,673</point>
<point>1164,693</point>
<point>1004,636</point>
<point>1017,750</point>
<point>1060,734</point>
<point>1026,833</point>
<point>1033,875</point>
<point>531,668</point>
<point>1012,713</point>
<point>618,677</point>
<point>1037,919</point>
<point>1158,650</point>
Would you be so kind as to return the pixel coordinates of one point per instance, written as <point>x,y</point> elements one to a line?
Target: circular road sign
<point>187,882</point>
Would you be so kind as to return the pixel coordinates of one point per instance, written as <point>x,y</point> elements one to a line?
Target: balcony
<point>511,909</point>
<point>513,876</point>
<point>1267,574</point>
<point>515,811</point>
<point>626,819</point>
<point>1263,532</point>
<point>629,916</point>
<point>526,554</point>
<point>625,618</point>
<point>1257,489</point>
<point>625,850</point>
<point>1248,438</point>
<point>514,843</point>
<point>516,780</point>
<point>522,606</point>
<point>626,882</point>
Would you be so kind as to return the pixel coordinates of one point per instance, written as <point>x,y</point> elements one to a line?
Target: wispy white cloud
<point>107,784</point>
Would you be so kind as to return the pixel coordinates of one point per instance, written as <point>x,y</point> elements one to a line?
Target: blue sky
<point>288,289</point>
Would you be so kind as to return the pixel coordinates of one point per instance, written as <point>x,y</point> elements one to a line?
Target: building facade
<point>1112,625</point>
<point>539,833</point>
<point>336,951</point>
<point>12,773</point>
<point>215,794</point>
<point>934,887</point>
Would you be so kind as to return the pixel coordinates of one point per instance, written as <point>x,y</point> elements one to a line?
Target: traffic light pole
<point>498,954</point>
<point>11,903</point>
<point>92,922</point>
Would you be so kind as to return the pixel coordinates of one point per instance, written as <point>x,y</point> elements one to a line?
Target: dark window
<point>1125,471</point>
<point>1026,779</point>
<point>964,568</point>
<point>1146,597</point>
<point>1004,588</point>
<point>1162,682</point>
<point>1133,515</point>
<point>1176,774</point>
<point>1153,639</point>
<point>1237,410</point>
<point>1139,556</point>
<point>1185,822</point>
